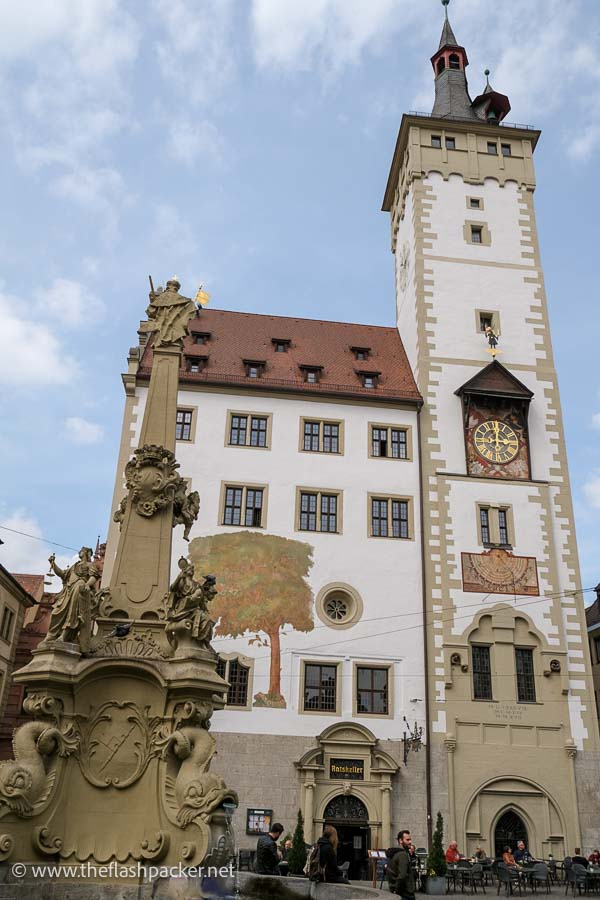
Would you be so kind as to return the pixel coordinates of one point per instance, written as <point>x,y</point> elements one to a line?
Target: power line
<point>35,537</point>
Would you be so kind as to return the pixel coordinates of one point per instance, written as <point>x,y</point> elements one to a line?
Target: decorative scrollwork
<point>44,843</point>
<point>42,705</point>
<point>7,843</point>
<point>156,849</point>
<point>152,479</point>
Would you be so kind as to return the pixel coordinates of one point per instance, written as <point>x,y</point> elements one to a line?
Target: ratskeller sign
<point>347,769</point>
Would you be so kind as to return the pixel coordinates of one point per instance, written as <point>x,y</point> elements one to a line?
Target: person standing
<point>328,844</point>
<point>267,854</point>
<point>401,876</point>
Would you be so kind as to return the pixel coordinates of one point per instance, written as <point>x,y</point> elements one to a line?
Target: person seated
<point>508,858</point>
<point>452,854</point>
<point>479,854</point>
<point>579,860</point>
<point>594,858</point>
<point>522,855</point>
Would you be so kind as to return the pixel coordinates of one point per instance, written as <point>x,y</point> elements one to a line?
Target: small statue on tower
<point>168,314</point>
<point>73,609</point>
<point>492,338</point>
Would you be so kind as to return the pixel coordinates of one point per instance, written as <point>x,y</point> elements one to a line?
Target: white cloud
<point>196,53</point>
<point>63,63</point>
<point>291,35</point>
<point>591,489</point>
<point>172,235</point>
<point>80,431</point>
<point>70,303</point>
<point>24,554</point>
<point>30,353</point>
<point>596,420</point>
<point>189,141</point>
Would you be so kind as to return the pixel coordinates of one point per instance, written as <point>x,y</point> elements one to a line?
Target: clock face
<point>496,441</point>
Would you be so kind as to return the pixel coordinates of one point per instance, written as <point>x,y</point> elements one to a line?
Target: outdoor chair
<point>509,878</point>
<point>473,877</point>
<point>575,878</point>
<point>552,868</point>
<point>540,875</point>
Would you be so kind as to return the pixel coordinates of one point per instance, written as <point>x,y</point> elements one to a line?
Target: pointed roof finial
<point>447,39</point>
<point>488,86</point>
<point>445,4</point>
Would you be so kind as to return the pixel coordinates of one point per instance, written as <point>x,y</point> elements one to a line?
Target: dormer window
<point>195,364</point>
<point>369,379</point>
<point>281,345</point>
<point>254,368</point>
<point>361,353</point>
<point>200,337</point>
<point>312,374</point>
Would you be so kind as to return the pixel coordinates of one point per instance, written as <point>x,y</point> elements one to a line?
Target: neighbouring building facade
<point>15,603</point>
<point>592,616</point>
<point>389,516</point>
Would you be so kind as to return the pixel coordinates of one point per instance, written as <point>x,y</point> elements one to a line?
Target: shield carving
<point>117,744</point>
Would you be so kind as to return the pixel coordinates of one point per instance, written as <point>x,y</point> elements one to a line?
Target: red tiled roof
<point>238,336</point>
<point>33,584</point>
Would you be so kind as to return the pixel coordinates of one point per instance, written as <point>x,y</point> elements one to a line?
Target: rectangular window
<point>320,688</point>
<point>183,425</point>
<point>238,430</point>
<point>388,442</point>
<point>492,148</point>
<point>506,149</point>
<point>258,431</point>
<point>320,436</point>
<point>248,430</point>
<point>253,516</point>
<point>318,511</point>
<point>436,141</point>
<point>237,675</point>
<point>484,519</point>
<point>243,506</point>
<point>503,526</point>
<point>482,673</point>
<point>525,675</point>
<point>312,432</point>
<point>485,321</point>
<point>369,381</point>
<point>476,234</point>
<point>200,337</point>
<point>371,691</point>
<point>475,203</point>
<point>450,143</point>
<point>195,364</point>
<point>390,518</point>
<point>6,626</point>
<point>254,368</point>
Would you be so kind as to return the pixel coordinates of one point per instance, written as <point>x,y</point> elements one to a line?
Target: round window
<point>339,605</point>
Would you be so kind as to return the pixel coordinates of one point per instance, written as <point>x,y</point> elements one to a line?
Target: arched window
<point>441,65</point>
<point>509,830</point>
<point>454,61</point>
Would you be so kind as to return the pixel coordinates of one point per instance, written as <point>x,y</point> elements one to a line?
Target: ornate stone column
<point>386,815</point>
<point>309,812</point>
<point>571,751</point>
<point>450,744</point>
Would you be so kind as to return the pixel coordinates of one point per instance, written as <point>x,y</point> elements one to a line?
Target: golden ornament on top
<point>496,441</point>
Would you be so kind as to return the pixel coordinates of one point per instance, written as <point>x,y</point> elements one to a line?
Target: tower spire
<point>449,64</point>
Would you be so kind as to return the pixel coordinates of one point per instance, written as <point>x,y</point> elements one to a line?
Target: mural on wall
<point>497,571</point>
<point>262,586</point>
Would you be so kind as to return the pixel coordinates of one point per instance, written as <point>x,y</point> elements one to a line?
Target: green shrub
<point>297,855</point>
<point>436,861</point>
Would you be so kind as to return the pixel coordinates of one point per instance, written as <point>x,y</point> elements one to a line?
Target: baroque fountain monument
<point>114,766</point>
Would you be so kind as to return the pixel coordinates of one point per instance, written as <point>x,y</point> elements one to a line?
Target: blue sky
<point>246,144</point>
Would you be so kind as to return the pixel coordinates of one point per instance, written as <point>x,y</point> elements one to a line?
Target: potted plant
<point>435,882</point>
<point>297,854</point>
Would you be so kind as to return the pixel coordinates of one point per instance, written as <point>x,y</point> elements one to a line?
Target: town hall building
<point>389,517</point>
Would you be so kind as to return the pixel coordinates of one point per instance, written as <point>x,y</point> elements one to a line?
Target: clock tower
<point>512,734</point>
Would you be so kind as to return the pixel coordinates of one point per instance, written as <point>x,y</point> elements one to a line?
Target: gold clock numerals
<point>496,441</point>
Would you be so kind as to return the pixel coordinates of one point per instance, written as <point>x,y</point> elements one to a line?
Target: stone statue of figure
<point>169,314</point>
<point>185,508</point>
<point>187,606</point>
<point>72,612</point>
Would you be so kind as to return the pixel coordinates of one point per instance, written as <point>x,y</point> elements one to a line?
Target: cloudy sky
<point>246,144</point>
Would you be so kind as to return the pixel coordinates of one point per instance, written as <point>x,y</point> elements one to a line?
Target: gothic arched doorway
<point>510,828</point>
<point>350,817</point>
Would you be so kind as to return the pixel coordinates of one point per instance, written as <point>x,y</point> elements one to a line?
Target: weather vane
<point>202,297</point>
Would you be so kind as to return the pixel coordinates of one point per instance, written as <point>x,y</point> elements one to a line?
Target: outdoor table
<point>594,875</point>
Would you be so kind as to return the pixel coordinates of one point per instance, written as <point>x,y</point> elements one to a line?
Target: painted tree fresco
<point>262,586</point>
